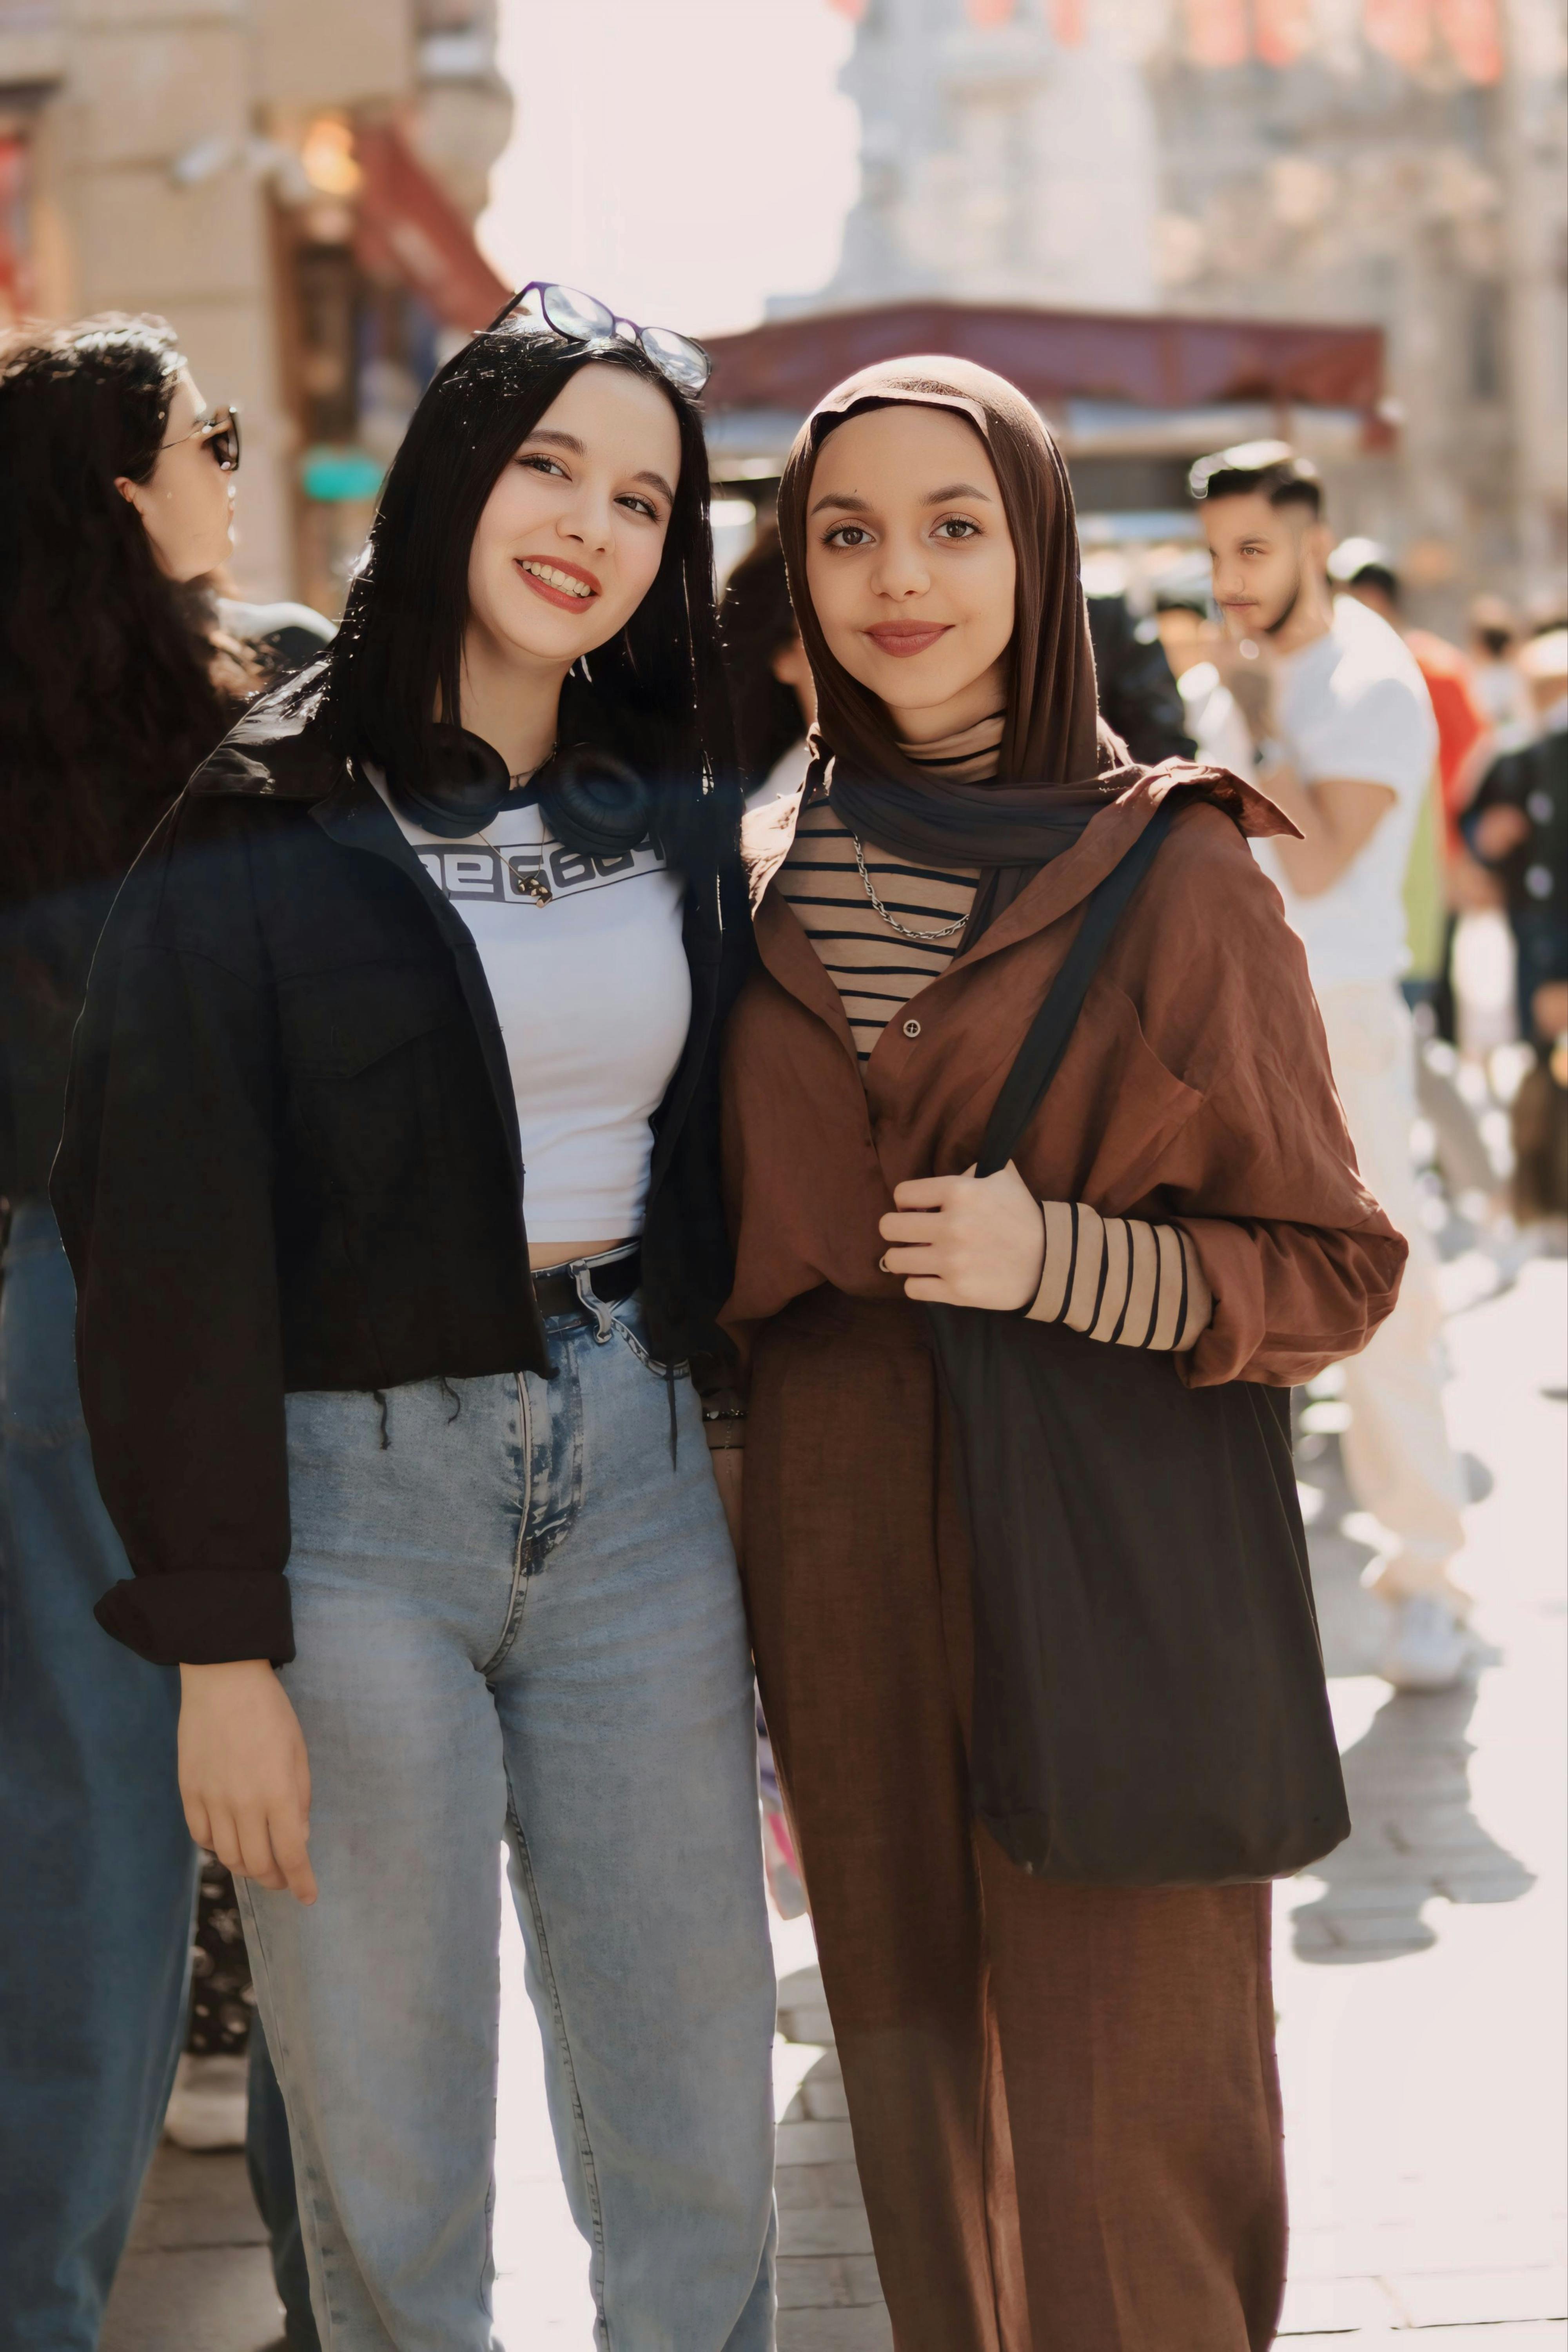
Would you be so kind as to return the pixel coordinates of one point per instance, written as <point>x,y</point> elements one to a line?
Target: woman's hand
<point>967,1240</point>
<point>245,1779</point>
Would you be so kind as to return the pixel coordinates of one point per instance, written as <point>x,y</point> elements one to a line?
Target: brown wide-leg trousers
<point>1064,2099</point>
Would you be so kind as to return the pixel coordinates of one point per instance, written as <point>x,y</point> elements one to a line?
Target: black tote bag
<point>1150,1706</point>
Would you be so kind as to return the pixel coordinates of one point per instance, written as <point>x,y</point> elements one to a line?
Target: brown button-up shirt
<point>1196,1087</point>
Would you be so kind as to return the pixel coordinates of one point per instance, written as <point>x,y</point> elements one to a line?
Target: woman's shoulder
<point>1217,816</point>
<point>1208,884</point>
<point>277,750</point>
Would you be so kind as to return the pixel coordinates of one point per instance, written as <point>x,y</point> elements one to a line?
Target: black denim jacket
<point>291,1161</point>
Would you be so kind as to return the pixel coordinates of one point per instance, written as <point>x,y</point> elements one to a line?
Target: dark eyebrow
<point>578,449</point>
<point>848,500</point>
<point>957,490</point>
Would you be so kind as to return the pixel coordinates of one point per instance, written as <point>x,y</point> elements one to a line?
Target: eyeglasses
<point>579,318</point>
<point>220,431</point>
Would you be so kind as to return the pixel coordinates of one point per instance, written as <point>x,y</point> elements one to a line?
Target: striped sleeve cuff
<point>1120,1279</point>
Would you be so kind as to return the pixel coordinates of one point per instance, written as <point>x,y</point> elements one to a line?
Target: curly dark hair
<point>757,621</point>
<point>115,682</point>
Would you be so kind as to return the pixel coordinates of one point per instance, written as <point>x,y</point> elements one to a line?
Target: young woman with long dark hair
<point>1063,2095</point>
<point>417,1496</point>
<point>769,678</point>
<point>119,673</point>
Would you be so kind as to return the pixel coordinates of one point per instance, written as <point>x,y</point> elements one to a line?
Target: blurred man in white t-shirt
<point>1344,741</point>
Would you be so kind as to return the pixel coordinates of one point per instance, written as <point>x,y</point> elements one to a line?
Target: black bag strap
<point>1040,1054</point>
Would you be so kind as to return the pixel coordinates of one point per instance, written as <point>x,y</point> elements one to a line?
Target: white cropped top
<point>586,965</point>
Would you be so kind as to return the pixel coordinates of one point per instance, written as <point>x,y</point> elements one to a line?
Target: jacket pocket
<point>1115,1096</point>
<point>340,1023</point>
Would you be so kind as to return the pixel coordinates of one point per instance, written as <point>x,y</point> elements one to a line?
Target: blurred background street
<point>1176,225</point>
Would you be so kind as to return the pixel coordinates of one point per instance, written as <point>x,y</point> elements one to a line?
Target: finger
<point>289,1849</point>
<point>909,1225</point>
<point>929,1192</point>
<point>198,1821</point>
<point>910,1260</point>
<point>256,1846</point>
<point>224,1839</point>
<point>931,1290</point>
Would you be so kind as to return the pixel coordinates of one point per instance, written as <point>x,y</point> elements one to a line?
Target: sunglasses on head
<point>219,431</point>
<point>580,318</point>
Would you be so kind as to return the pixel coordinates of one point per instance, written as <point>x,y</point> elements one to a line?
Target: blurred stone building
<point>292,183</point>
<point>1396,162</point>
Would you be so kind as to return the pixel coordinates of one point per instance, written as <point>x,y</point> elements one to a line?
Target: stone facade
<point>1079,157</point>
<point>162,152</point>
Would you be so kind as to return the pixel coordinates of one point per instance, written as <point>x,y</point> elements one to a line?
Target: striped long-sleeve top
<point>1120,1279</point>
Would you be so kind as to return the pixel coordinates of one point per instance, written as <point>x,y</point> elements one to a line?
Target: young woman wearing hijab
<point>416,1498</point>
<point>1063,2097</point>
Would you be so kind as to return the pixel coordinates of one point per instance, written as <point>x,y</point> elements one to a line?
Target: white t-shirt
<point>593,993</point>
<point>1214,723</point>
<point>1353,705</point>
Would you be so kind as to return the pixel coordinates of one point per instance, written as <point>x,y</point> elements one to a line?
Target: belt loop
<point>601,1309</point>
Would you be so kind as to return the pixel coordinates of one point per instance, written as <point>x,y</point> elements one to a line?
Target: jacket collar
<point>275,751</point>
<point>1055,891</point>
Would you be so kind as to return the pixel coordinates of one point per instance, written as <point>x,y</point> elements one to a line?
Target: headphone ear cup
<point>594,803</point>
<point>458,790</point>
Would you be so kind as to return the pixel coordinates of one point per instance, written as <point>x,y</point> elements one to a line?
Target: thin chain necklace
<point>908,931</point>
<point>905,930</point>
<point>526,880</point>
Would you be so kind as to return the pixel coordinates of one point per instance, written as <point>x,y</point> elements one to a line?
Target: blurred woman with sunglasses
<point>117,674</point>
<point>465,900</point>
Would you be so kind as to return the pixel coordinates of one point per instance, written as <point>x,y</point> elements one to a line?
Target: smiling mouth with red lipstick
<point>903,638</point>
<point>566,585</point>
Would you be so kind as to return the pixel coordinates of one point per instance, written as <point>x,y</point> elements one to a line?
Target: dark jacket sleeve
<point>162,1186</point>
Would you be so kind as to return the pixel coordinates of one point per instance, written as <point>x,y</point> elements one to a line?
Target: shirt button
<point>911,1028</point>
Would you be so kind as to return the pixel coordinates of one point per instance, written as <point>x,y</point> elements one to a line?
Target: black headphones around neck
<point>590,801</point>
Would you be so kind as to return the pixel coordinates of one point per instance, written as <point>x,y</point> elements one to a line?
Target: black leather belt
<point>557,1292</point>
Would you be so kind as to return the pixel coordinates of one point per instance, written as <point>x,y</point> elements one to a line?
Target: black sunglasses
<point>220,433</point>
<point>580,318</point>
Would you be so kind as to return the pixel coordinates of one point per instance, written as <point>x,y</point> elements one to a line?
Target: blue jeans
<point>517,1620</point>
<point>98,1873</point>
<point>97,1868</point>
<point>270,2165</point>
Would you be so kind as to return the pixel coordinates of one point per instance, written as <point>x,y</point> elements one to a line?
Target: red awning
<point>1054,355</point>
<point>410,229</point>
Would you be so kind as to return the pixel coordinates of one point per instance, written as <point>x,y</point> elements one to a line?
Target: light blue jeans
<point>517,1618</point>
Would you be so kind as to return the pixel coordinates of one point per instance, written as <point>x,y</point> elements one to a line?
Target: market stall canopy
<point>1165,362</point>
<point>410,230</point>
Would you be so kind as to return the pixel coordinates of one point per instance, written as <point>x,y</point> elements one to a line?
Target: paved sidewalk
<point>1419,1985</point>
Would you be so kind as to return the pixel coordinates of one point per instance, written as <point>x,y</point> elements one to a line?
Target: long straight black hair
<point>654,694</point>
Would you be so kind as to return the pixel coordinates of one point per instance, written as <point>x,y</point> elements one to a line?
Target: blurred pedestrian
<point>1518,827</point>
<point>1192,637</point>
<point>1494,669</point>
<point>466,899</point>
<point>118,675</point>
<point>994,2024</point>
<point>1138,697</point>
<point>1442,881</point>
<point>769,678</point>
<point>1344,741</point>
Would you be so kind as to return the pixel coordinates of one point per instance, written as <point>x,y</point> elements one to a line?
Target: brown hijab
<point>1057,763</point>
